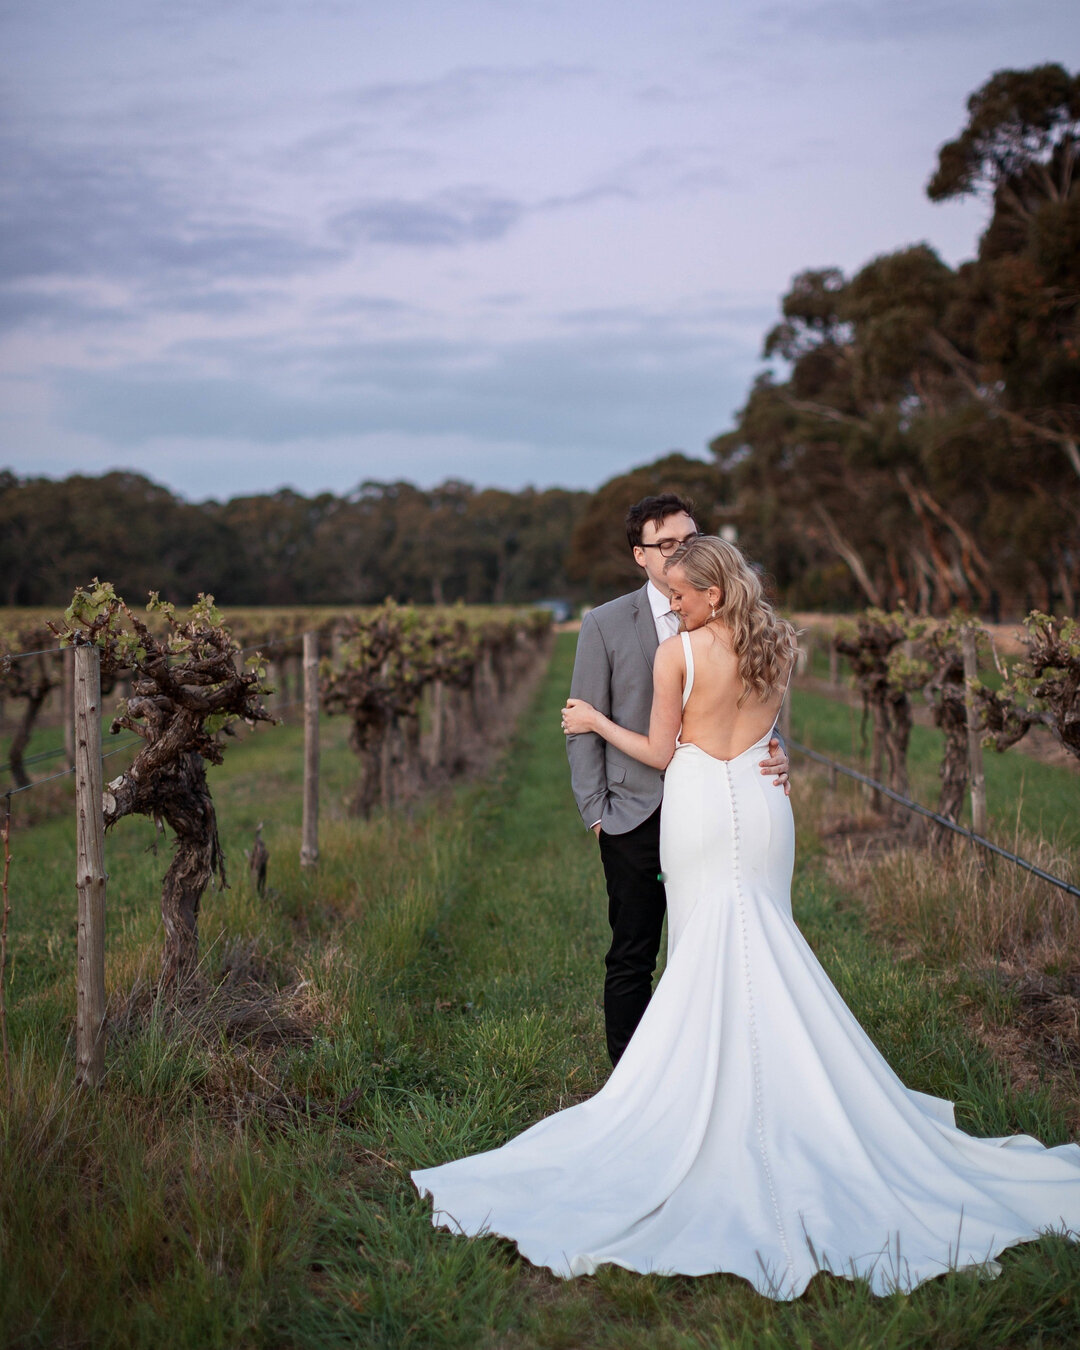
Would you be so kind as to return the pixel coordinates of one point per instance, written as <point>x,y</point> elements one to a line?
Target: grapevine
<point>187,692</point>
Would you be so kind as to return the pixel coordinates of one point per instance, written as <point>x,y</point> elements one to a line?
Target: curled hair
<point>764,644</point>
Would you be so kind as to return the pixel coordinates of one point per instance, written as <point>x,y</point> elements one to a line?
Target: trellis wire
<point>8,767</point>
<point>46,651</point>
<point>20,656</point>
<point>38,782</point>
<point>51,754</point>
<point>935,816</point>
<point>65,773</point>
<point>270,642</point>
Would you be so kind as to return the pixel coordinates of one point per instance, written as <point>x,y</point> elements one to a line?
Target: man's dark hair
<point>656,509</point>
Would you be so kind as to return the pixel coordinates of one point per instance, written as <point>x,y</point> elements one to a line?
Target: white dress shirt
<point>667,622</point>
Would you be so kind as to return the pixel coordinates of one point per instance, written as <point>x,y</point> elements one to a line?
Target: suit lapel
<point>645,624</point>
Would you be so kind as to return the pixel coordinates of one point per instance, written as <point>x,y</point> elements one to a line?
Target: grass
<point>437,985</point>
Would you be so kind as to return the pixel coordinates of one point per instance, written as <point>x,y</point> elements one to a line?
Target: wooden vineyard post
<point>67,704</point>
<point>309,841</point>
<point>877,752</point>
<point>438,720</point>
<point>90,870</point>
<point>274,680</point>
<point>975,756</point>
<point>5,912</point>
<point>296,664</point>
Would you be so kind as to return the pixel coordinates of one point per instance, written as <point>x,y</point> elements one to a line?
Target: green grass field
<point>438,986</point>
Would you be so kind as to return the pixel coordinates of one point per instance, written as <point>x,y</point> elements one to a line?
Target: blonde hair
<point>764,644</point>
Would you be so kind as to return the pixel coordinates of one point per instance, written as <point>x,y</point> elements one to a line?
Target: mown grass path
<point>451,969</point>
<point>507,1027</point>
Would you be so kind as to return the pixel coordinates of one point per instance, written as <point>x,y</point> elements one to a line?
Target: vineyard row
<point>420,690</point>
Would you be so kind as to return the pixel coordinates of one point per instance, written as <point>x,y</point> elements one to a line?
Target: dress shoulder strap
<point>688,652</point>
<point>787,691</point>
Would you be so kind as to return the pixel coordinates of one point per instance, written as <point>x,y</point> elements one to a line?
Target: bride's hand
<point>577,717</point>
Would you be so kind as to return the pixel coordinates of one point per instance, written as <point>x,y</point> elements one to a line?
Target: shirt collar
<point>658,601</point>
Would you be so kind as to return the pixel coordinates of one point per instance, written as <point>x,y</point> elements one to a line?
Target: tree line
<point>383,540</point>
<point>915,441</point>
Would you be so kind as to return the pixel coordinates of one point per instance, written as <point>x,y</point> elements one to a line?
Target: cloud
<point>453,217</point>
<point>23,307</point>
<point>606,191</point>
<point>100,212</point>
<point>707,318</point>
<point>446,219</point>
<point>663,95</point>
<point>873,21</point>
<point>340,147</point>
<point>462,93</point>
<point>654,172</point>
<point>221,302</point>
<point>365,305</point>
<point>595,392</point>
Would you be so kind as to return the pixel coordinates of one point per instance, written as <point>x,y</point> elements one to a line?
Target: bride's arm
<point>659,745</point>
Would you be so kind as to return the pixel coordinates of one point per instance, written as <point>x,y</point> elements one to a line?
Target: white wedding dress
<point>751,1126</point>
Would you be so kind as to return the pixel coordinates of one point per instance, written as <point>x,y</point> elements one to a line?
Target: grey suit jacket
<point>613,671</point>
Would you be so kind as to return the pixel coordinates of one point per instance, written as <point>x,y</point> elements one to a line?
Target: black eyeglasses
<point>668,546</point>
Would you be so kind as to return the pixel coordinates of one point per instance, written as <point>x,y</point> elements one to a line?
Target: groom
<point>619,798</point>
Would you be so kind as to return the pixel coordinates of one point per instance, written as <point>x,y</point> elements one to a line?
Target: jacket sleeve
<point>591,681</point>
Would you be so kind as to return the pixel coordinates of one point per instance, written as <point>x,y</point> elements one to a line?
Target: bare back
<point>712,718</point>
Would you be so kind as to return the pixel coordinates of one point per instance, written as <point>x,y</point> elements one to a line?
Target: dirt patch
<point>1039,1047</point>
<point>1050,1014</point>
<point>854,840</point>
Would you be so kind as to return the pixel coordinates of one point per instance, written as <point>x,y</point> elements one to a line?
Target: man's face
<point>672,529</point>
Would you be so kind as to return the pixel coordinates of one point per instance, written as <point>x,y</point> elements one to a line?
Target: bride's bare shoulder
<point>669,652</point>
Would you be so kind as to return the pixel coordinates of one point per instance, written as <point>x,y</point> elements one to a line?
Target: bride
<point>751,1126</point>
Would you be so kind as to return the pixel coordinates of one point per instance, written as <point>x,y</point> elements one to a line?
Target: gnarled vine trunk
<point>178,794</point>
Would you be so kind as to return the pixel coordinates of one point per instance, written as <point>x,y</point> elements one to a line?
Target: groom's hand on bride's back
<point>777,763</point>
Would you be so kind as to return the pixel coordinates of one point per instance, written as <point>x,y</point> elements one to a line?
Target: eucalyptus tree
<point>926,431</point>
<point>1013,337</point>
<point>840,444</point>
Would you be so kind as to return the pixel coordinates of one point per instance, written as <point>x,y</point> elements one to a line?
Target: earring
<point>712,612</point>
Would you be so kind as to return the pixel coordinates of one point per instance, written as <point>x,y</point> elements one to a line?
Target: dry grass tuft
<point>960,907</point>
<point>248,1002</point>
<point>229,1028</point>
<point>1009,940</point>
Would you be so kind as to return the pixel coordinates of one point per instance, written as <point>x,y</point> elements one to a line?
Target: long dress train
<point>751,1126</point>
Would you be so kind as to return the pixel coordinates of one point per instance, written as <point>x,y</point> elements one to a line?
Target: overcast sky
<point>251,243</point>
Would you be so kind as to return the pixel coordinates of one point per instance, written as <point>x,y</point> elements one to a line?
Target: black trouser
<point>636,914</point>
